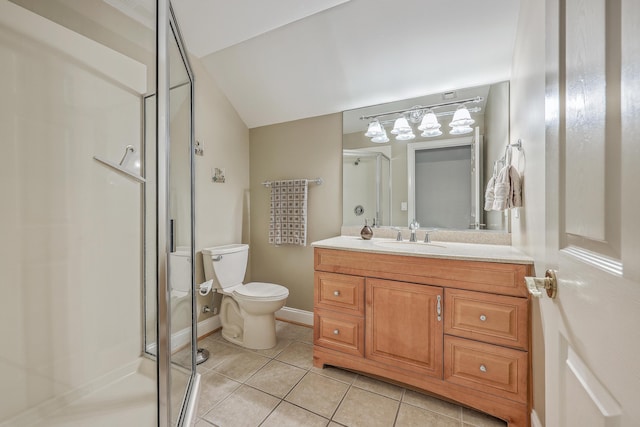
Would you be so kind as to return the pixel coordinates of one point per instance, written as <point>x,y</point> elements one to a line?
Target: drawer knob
<point>483,317</point>
<point>483,368</point>
<point>336,293</point>
<point>336,332</point>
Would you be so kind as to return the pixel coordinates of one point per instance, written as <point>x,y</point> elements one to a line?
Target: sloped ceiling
<point>277,62</point>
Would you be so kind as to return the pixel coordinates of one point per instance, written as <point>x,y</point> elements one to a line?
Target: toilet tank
<point>180,272</point>
<point>226,264</point>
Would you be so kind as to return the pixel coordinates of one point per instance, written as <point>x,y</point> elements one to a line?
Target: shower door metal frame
<point>166,26</point>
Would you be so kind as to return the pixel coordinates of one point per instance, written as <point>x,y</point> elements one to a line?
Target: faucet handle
<point>427,234</point>
<point>399,235</point>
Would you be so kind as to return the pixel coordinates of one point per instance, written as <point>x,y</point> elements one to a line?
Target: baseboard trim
<point>182,338</point>
<point>209,325</point>
<point>535,421</point>
<point>294,315</point>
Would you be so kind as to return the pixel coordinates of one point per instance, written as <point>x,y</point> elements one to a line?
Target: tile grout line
<point>340,403</point>
<point>395,420</point>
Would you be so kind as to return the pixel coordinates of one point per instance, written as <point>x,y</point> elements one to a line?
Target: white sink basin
<point>410,246</point>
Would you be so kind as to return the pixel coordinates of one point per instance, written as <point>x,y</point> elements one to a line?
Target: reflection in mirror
<point>368,195</point>
<point>450,163</point>
<point>489,110</point>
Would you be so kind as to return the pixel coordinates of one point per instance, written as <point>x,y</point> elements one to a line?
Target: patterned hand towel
<point>288,212</point>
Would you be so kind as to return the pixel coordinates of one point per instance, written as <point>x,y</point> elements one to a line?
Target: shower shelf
<point>118,166</point>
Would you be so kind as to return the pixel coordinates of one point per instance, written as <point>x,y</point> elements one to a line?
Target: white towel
<point>507,189</point>
<point>489,194</point>
<point>288,212</point>
<point>501,190</point>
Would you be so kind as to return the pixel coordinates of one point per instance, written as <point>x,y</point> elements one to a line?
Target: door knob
<point>536,285</point>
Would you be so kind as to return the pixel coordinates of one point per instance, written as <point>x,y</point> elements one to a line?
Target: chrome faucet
<point>413,226</point>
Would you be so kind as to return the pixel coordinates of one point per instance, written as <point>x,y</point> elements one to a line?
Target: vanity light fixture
<point>428,119</point>
<point>375,129</point>
<point>382,138</point>
<point>402,130</point>
<point>461,122</point>
<point>429,125</point>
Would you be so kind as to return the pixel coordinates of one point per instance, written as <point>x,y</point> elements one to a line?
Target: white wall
<point>222,210</point>
<point>528,123</point>
<point>70,253</point>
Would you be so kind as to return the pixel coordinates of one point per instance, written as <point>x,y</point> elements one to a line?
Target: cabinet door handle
<point>336,293</point>
<point>483,318</point>
<point>439,308</point>
<point>483,368</point>
<point>336,332</point>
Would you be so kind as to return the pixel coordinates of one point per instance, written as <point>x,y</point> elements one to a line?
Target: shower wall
<point>70,259</point>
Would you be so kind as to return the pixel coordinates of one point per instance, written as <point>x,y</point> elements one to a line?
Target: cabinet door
<point>404,326</point>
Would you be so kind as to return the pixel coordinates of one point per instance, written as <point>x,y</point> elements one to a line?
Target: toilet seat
<point>261,291</point>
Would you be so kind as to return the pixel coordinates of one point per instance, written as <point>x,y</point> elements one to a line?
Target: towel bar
<point>318,181</point>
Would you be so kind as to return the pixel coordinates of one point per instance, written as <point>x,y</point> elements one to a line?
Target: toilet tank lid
<point>225,249</point>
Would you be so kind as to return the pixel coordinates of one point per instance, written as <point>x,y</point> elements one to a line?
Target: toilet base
<point>259,332</point>
<point>252,325</point>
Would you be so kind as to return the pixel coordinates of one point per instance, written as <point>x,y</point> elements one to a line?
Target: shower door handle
<point>172,235</point>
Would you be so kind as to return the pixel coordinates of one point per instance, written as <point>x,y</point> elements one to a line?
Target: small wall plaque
<point>218,175</point>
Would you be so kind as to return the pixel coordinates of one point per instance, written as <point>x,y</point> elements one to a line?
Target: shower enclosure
<point>88,200</point>
<point>367,187</point>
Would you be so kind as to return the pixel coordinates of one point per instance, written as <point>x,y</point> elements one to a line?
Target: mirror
<point>439,181</point>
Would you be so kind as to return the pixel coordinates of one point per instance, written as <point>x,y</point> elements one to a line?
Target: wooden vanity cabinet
<point>455,328</point>
<point>402,329</point>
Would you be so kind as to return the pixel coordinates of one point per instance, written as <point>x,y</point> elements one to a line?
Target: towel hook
<point>128,149</point>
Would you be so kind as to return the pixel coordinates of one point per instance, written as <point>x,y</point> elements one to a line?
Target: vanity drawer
<point>488,368</point>
<point>339,331</point>
<point>339,292</point>
<point>496,319</point>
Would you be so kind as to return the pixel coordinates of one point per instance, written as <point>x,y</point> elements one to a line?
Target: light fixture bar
<point>439,114</point>
<point>426,107</point>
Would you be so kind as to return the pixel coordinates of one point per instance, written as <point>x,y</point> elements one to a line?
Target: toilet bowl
<point>247,312</point>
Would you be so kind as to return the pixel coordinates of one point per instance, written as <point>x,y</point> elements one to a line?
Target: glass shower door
<point>178,210</point>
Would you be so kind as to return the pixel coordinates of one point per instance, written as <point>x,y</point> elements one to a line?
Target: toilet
<point>247,312</point>
<point>180,273</point>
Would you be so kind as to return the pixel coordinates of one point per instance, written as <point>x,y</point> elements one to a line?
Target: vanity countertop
<point>445,250</point>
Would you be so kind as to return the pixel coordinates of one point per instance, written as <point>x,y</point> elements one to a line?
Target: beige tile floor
<point>280,387</point>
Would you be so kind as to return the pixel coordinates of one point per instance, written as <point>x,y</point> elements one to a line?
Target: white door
<point>592,328</point>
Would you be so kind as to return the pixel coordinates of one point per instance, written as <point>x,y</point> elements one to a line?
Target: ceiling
<point>282,60</point>
<point>280,63</point>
